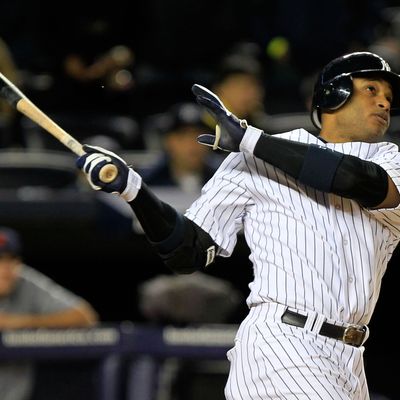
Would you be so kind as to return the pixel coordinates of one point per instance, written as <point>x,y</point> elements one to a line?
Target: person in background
<point>239,83</point>
<point>29,299</point>
<point>183,163</point>
<point>95,61</point>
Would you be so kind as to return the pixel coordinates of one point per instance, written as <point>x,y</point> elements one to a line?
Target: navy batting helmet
<point>334,85</point>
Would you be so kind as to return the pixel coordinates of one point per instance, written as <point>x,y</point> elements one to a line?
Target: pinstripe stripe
<point>310,250</point>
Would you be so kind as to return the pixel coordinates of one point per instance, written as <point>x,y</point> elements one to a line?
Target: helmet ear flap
<point>330,96</point>
<point>335,93</point>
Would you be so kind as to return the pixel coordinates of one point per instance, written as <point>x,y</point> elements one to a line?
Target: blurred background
<point>119,75</point>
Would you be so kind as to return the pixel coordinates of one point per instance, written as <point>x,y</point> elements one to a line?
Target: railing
<point>143,347</point>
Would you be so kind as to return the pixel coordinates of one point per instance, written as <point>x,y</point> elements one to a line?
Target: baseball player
<point>321,217</point>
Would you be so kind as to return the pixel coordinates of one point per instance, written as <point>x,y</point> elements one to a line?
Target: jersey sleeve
<point>220,208</point>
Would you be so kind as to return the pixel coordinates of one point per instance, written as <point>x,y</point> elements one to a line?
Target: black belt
<point>353,335</point>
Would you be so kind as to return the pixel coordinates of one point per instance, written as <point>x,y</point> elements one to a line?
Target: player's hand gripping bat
<point>10,93</point>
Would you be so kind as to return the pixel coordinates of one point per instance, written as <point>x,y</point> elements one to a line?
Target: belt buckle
<point>353,335</point>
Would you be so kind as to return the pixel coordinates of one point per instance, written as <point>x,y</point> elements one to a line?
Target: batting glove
<point>230,129</point>
<point>126,184</point>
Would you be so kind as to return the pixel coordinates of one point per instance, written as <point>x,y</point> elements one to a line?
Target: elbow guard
<point>187,249</point>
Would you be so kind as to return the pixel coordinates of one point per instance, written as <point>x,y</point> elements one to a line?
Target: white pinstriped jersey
<point>310,250</point>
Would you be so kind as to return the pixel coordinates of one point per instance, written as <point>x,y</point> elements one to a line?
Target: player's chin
<point>370,134</point>
<point>375,130</point>
<point>375,135</point>
<point>381,132</point>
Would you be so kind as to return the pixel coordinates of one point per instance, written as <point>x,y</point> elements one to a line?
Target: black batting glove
<point>126,184</point>
<point>229,130</point>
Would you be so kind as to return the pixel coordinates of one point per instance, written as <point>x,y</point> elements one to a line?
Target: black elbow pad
<point>187,249</point>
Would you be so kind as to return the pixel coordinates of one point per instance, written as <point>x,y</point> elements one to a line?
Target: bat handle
<point>108,173</point>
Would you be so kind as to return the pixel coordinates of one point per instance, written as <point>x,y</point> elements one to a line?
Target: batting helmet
<point>334,85</point>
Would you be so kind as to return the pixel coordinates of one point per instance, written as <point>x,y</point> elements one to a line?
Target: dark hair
<point>239,64</point>
<point>181,115</point>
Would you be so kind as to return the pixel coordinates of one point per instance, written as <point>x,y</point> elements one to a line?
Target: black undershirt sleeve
<point>156,217</point>
<point>326,170</point>
<point>183,246</point>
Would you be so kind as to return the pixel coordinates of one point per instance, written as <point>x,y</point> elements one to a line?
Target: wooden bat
<point>10,93</point>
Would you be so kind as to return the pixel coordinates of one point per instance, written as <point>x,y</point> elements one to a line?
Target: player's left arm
<point>327,170</point>
<point>316,166</point>
<point>182,244</point>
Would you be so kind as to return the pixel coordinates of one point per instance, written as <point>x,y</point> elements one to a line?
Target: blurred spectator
<point>239,83</point>
<point>387,39</point>
<point>94,68</point>
<point>185,299</point>
<point>183,163</point>
<point>28,299</point>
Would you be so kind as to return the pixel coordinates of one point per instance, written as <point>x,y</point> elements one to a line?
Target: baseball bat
<point>14,96</point>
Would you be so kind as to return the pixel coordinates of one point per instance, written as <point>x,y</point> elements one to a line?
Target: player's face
<point>366,116</point>
<point>10,268</point>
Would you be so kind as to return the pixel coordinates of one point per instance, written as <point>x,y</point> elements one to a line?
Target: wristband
<point>250,139</point>
<point>133,185</point>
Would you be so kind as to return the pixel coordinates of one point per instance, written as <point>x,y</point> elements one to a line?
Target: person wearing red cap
<point>29,299</point>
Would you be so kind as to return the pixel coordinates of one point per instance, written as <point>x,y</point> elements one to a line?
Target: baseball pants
<point>273,360</point>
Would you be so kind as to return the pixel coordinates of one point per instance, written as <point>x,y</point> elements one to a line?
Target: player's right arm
<point>183,245</point>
